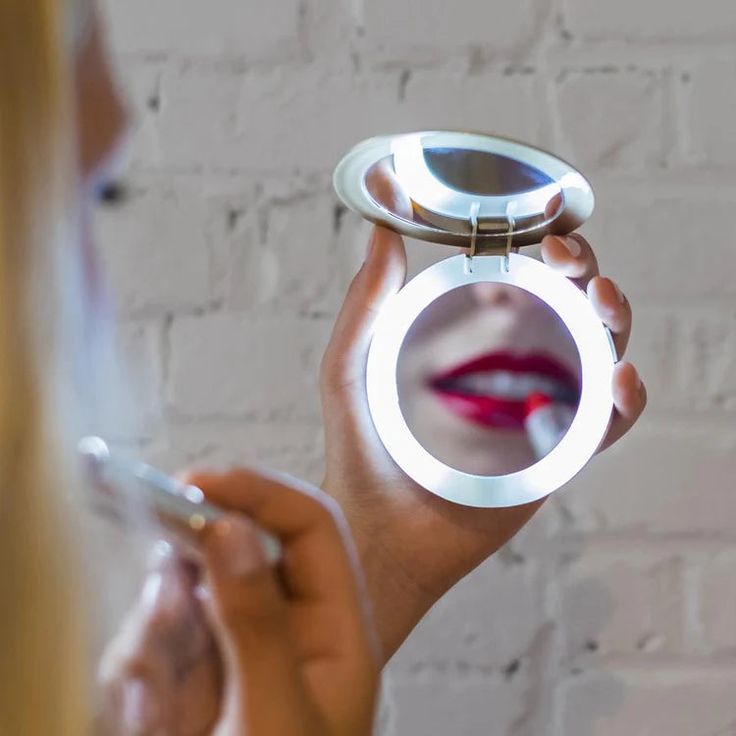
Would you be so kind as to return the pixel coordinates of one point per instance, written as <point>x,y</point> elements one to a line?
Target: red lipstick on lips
<point>493,389</point>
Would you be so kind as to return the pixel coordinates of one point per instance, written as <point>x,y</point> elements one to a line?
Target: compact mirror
<point>489,374</point>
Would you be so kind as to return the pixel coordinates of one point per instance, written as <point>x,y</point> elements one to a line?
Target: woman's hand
<point>414,545</point>
<point>264,650</point>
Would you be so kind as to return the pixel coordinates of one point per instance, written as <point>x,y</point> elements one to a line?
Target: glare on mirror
<point>440,187</point>
<point>489,379</point>
<point>483,173</point>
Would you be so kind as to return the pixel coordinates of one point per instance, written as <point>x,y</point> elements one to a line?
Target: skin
<point>458,327</point>
<point>234,644</point>
<point>413,546</point>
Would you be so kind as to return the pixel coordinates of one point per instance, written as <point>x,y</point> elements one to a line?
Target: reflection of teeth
<point>508,385</point>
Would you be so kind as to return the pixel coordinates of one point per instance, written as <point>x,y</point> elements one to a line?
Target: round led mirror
<point>489,374</point>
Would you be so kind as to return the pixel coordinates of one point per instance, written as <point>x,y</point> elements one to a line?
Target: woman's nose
<point>496,295</point>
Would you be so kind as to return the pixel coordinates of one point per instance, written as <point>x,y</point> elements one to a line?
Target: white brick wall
<point>711,112</point>
<point>651,20</point>
<point>615,612</point>
<point>193,28</point>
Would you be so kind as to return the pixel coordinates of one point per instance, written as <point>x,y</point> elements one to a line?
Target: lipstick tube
<point>546,423</point>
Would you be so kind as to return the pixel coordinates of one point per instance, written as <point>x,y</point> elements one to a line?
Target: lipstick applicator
<point>546,423</point>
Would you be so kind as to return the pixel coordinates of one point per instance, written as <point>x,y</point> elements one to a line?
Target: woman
<point>311,643</point>
<point>413,546</point>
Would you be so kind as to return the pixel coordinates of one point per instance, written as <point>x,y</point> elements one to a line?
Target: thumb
<point>381,276</point>
<point>251,622</point>
<point>349,434</point>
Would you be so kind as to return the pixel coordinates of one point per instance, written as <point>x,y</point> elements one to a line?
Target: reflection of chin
<point>459,442</point>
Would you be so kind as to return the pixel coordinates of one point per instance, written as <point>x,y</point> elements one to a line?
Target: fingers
<point>161,672</point>
<point>311,610</point>
<point>349,434</point>
<point>572,256</point>
<point>380,277</point>
<point>318,565</point>
<point>630,400</point>
<point>385,189</point>
<point>250,613</point>
<point>613,309</point>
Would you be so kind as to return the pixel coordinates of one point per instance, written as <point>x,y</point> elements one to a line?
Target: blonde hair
<point>42,652</point>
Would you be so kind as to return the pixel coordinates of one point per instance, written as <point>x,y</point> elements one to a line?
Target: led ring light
<point>405,156</point>
<point>597,357</point>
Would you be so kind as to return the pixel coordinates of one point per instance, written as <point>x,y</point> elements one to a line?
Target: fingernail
<point>639,382</point>
<point>202,593</point>
<point>238,546</point>
<point>572,244</point>
<point>619,293</point>
<point>139,708</point>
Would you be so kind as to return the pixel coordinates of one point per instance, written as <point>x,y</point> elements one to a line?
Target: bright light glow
<point>424,188</point>
<point>597,357</point>
<point>93,447</point>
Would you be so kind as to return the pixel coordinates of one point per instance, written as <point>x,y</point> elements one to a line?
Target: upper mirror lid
<point>456,188</point>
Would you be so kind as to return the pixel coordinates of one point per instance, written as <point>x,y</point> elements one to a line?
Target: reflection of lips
<point>493,390</point>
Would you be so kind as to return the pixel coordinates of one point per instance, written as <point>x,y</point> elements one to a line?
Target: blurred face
<point>102,125</point>
<point>471,368</point>
<point>101,114</point>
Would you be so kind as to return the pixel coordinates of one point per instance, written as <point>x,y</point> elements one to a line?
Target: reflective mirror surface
<point>488,379</point>
<point>479,172</point>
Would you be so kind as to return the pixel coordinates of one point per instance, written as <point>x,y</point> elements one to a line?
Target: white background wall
<point>615,612</point>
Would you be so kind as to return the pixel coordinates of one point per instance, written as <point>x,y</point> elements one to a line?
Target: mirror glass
<point>483,173</point>
<point>489,379</point>
<point>463,178</point>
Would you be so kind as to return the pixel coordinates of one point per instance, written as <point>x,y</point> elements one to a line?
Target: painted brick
<point>299,253</point>
<point>489,621</point>
<point>688,356</point>
<point>234,365</point>
<point>716,594</point>
<point>241,28</point>
<point>278,120</point>
<point>288,447</point>
<point>659,247</point>
<point>651,20</point>
<point>648,704</point>
<point>287,121</point>
<point>494,102</point>
<point>415,27</point>
<point>456,705</point>
<point>675,479</point>
<point>710,98</point>
<point>622,602</point>
<point>612,120</point>
<point>140,346</point>
<point>156,246</point>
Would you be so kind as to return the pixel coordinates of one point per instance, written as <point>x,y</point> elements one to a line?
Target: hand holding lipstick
<point>250,647</point>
